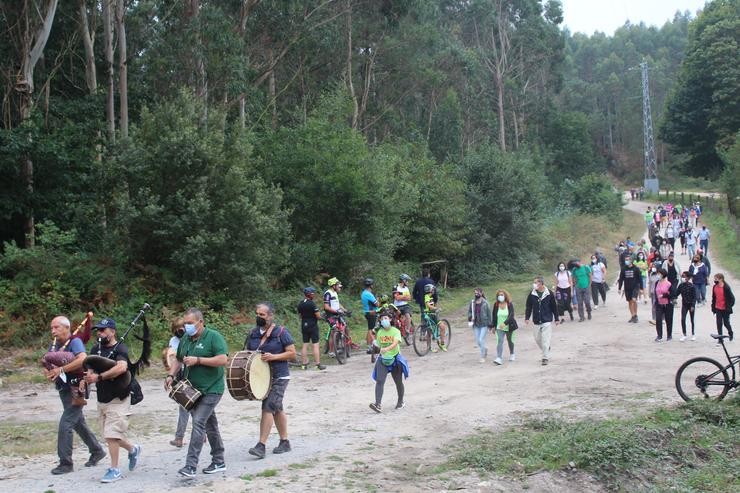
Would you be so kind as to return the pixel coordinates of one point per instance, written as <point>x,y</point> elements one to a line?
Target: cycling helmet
<point>384,299</point>
<point>333,281</point>
<point>404,277</point>
<point>368,281</point>
<point>428,288</point>
<point>309,290</point>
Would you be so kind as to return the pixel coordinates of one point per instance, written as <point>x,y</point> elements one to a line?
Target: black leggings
<point>723,318</point>
<point>684,310</point>
<point>596,289</point>
<point>380,375</point>
<point>664,312</point>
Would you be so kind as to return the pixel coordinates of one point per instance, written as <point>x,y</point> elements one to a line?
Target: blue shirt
<point>279,339</point>
<point>369,302</point>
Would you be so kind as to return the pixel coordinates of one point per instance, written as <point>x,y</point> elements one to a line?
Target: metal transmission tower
<point>651,168</point>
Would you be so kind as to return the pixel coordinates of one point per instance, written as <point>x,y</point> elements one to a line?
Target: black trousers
<point>596,289</point>
<point>723,318</point>
<point>664,312</point>
<point>684,310</point>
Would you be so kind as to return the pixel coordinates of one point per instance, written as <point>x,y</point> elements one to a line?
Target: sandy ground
<point>600,367</point>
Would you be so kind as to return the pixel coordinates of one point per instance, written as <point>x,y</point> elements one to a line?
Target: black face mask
<point>477,295</point>
<point>179,333</point>
<point>104,341</point>
<point>716,282</point>
<point>261,322</point>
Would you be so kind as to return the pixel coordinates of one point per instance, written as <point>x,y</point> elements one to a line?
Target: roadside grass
<point>691,447</point>
<point>723,241</point>
<point>21,439</point>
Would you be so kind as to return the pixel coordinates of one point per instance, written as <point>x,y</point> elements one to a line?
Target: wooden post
<point>683,199</point>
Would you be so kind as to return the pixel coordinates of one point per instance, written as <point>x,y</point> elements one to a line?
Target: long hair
<point>507,296</point>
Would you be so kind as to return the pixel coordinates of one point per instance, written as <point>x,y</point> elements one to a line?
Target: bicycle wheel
<point>444,325</point>
<point>701,378</point>
<point>340,348</point>
<point>422,340</point>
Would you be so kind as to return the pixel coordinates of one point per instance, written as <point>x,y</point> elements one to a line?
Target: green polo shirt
<point>207,379</point>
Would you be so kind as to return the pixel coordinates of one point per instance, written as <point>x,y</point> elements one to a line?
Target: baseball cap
<point>106,323</point>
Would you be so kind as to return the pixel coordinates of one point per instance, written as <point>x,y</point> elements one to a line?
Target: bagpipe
<point>57,357</point>
<point>127,380</point>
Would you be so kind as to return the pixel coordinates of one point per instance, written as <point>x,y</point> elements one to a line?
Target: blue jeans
<point>704,245</point>
<point>182,422</point>
<point>205,423</point>
<point>700,290</point>
<point>480,339</point>
<point>500,336</point>
<point>73,420</point>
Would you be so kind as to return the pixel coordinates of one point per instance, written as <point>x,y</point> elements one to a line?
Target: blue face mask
<point>190,329</point>
<point>385,323</point>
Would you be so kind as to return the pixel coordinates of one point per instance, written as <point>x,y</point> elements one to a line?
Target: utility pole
<point>651,168</point>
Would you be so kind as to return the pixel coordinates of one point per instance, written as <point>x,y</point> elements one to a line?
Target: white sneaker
<point>683,338</point>
<point>603,303</point>
<point>482,360</point>
<point>498,361</point>
<point>512,357</point>
<point>595,307</point>
<point>693,338</point>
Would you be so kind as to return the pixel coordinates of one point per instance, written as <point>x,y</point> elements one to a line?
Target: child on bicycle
<point>431,310</point>
<point>390,361</point>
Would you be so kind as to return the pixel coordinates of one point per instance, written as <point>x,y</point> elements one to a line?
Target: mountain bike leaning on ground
<point>706,378</point>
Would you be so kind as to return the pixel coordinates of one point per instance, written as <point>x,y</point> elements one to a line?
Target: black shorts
<point>631,294</point>
<point>274,401</point>
<point>404,309</point>
<point>372,319</point>
<point>310,332</point>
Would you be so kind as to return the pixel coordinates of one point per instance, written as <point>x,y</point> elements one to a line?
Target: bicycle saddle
<point>719,336</point>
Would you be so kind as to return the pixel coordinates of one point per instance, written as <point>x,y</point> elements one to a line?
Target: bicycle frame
<point>340,325</point>
<point>430,324</point>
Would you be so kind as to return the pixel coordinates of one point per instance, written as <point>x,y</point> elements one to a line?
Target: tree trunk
<point>122,67</point>
<point>201,79</point>
<point>500,104</point>
<point>273,90</point>
<point>29,57</point>
<point>350,85</point>
<point>88,42</point>
<point>110,109</point>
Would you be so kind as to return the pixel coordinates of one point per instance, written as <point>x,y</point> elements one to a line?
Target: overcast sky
<point>587,16</point>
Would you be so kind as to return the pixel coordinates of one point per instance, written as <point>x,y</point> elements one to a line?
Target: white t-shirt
<point>563,278</point>
<point>174,342</point>
<point>597,272</point>
<point>403,291</point>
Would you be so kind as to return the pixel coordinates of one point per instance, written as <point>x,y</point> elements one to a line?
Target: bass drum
<point>248,377</point>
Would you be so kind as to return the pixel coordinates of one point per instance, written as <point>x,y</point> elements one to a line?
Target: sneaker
<point>434,349</point>
<point>683,338</point>
<point>320,367</point>
<point>658,339</point>
<point>332,355</point>
<point>214,468</point>
<point>283,446</point>
<point>544,362</point>
<point>603,304</point>
<point>111,475</point>
<point>498,361</point>
<point>652,322</point>
<point>669,338</point>
<point>95,457</point>
<point>693,337</point>
<point>304,367</point>
<point>375,407</point>
<point>187,471</point>
<point>595,307</point>
<point>62,469</point>
<point>177,442</point>
<point>442,346</point>
<point>258,450</point>
<point>581,319</point>
<point>400,405</point>
<point>512,357</point>
<point>589,315</point>
<point>133,457</point>
<point>482,360</point>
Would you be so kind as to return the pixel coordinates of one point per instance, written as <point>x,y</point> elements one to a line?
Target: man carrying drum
<point>203,352</point>
<point>277,347</point>
<point>72,418</point>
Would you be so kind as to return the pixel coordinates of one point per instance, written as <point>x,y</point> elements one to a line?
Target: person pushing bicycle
<point>402,297</point>
<point>431,309</point>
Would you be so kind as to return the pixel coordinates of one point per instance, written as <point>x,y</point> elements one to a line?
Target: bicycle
<point>338,339</point>
<point>407,333</point>
<point>428,331</point>
<point>706,377</point>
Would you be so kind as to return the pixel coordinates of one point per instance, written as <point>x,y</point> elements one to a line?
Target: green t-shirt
<point>642,264</point>
<point>385,338</point>
<point>207,379</point>
<point>581,275</point>
<point>501,315</point>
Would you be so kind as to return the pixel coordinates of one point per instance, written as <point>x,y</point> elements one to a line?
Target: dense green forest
<point>214,151</point>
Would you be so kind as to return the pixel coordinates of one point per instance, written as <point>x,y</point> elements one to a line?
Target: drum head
<point>259,378</point>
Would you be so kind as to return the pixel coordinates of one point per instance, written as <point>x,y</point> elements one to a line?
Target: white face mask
<point>501,298</point>
<point>562,267</point>
<point>534,285</point>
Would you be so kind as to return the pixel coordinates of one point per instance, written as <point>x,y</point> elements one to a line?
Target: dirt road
<point>600,367</point>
